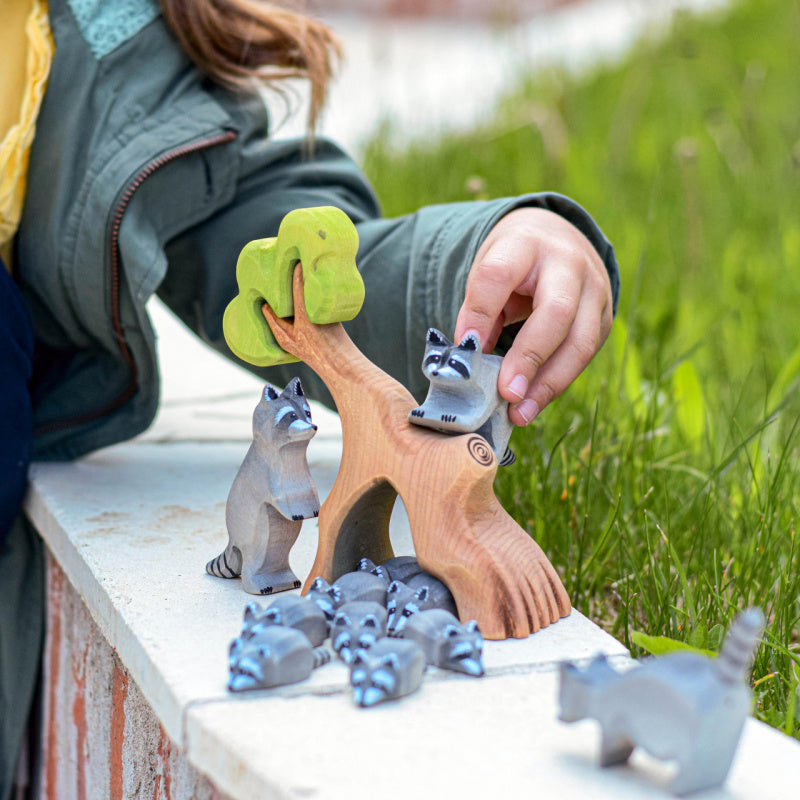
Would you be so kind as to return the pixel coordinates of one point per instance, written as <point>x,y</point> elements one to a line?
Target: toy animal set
<point>388,623</point>
<point>439,457</point>
<point>282,644</point>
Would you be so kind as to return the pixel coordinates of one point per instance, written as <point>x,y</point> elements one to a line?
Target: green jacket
<point>144,177</point>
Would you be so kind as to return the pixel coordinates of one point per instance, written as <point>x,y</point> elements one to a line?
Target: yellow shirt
<point>27,47</point>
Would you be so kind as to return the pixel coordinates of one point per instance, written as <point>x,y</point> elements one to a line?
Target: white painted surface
<point>495,738</point>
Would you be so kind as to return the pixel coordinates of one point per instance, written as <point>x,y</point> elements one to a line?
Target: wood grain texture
<point>462,535</point>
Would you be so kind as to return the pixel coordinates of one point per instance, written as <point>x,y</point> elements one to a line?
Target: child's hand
<point>537,267</point>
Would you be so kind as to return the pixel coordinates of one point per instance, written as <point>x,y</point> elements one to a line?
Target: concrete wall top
<point>132,528</point>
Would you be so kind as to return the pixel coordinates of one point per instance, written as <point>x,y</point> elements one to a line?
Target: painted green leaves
<point>324,241</point>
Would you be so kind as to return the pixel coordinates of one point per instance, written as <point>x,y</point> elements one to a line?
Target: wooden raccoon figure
<point>390,669</point>
<point>463,396</point>
<point>447,643</point>
<point>275,657</point>
<point>290,611</point>
<point>271,495</point>
<point>365,583</point>
<point>421,593</point>
<point>682,706</point>
<point>357,626</point>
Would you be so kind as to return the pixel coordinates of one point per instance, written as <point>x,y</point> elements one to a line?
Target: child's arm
<point>537,268</point>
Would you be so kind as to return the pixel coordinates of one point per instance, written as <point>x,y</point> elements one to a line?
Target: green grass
<point>665,484</point>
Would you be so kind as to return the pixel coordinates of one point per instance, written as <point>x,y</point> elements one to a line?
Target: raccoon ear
<point>470,342</point>
<point>293,389</point>
<point>567,668</point>
<point>422,593</point>
<point>393,587</point>
<point>450,631</point>
<point>335,594</point>
<point>251,611</point>
<point>369,621</point>
<point>319,585</point>
<point>270,392</point>
<point>436,337</point>
<point>365,565</point>
<point>391,660</point>
<point>341,619</point>
<point>472,626</point>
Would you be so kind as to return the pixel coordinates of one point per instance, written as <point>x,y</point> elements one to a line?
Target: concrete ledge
<point>132,528</point>
<point>142,641</point>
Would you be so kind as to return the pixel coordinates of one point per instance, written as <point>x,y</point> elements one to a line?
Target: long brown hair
<point>236,41</point>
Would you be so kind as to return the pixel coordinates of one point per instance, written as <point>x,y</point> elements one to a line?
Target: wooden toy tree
<point>495,570</point>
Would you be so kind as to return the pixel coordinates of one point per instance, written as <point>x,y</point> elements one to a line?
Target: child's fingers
<point>501,266</point>
<point>555,307</point>
<point>585,337</point>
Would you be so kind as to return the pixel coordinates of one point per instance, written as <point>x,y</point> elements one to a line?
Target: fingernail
<point>528,410</point>
<point>518,386</point>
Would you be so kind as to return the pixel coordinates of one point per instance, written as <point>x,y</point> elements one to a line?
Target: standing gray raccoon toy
<point>682,706</point>
<point>463,396</point>
<point>271,495</point>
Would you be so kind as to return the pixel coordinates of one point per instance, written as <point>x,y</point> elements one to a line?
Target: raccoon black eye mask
<point>463,396</point>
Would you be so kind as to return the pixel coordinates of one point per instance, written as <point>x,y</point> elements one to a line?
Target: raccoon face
<point>402,602</point>
<point>374,680</point>
<point>357,626</point>
<point>275,657</point>
<point>461,649</point>
<point>285,415</point>
<point>392,668</point>
<point>327,597</point>
<point>251,667</point>
<point>256,619</point>
<point>445,362</point>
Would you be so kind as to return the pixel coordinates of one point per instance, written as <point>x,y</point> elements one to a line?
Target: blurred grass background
<point>665,484</point>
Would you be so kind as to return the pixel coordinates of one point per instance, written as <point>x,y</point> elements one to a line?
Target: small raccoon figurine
<point>275,657</point>
<point>421,593</point>
<point>683,706</point>
<point>463,396</point>
<point>270,496</point>
<point>390,669</point>
<point>362,584</point>
<point>357,626</point>
<point>447,643</point>
<point>398,568</point>
<point>290,611</point>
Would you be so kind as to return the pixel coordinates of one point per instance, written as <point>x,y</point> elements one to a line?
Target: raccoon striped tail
<point>228,564</point>
<point>508,458</point>
<point>737,648</point>
<point>321,657</point>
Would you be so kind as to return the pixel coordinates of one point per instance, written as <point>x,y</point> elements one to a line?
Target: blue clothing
<point>21,561</point>
<point>16,418</point>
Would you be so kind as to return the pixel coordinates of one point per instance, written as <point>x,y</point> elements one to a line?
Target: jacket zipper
<point>116,317</point>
